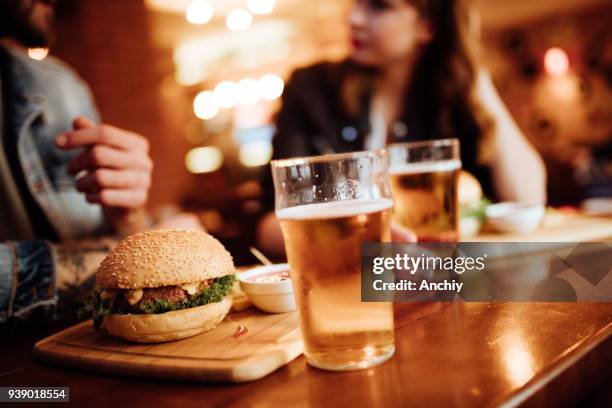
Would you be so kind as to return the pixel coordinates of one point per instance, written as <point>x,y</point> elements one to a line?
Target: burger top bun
<point>164,257</point>
<point>470,192</point>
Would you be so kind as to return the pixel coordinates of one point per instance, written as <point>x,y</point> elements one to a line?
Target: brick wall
<point>108,42</point>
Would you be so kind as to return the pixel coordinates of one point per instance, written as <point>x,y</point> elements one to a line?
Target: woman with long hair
<point>411,75</point>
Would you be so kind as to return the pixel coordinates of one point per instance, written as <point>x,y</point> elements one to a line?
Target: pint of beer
<point>424,177</point>
<point>328,206</point>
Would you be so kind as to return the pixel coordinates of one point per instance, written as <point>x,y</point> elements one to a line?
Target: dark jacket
<point>313,120</point>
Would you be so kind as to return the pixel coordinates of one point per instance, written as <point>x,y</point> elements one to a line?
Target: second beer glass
<point>424,178</point>
<point>327,206</point>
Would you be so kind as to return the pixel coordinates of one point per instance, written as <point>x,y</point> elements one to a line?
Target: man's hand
<point>116,169</point>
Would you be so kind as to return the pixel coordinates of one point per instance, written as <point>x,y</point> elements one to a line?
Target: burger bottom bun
<point>169,326</point>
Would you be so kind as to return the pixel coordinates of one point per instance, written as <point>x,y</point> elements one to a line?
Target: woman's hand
<point>518,171</point>
<point>116,170</point>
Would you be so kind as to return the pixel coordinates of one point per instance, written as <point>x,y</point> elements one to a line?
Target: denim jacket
<point>47,97</point>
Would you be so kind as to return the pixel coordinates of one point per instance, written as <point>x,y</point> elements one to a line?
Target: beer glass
<point>327,206</point>
<point>424,177</point>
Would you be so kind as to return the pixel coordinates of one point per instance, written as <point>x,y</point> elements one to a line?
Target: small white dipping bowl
<point>514,217</point>
<point>271,297</point>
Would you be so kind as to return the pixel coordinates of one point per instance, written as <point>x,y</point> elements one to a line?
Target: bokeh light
<point>199,12</point>
<point>239,20</point>
<point>38,53</point>
<point>270,87</point>
<point>556,61</point>
<point>205,105</point>
<point>255,153</point>
<point>227,94</point>
<point>204,159</point>
<point>262,6</point>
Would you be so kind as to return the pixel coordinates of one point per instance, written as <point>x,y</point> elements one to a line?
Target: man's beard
<point>17,23</point>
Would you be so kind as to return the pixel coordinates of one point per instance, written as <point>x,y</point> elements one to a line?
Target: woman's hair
<point>443,81</point>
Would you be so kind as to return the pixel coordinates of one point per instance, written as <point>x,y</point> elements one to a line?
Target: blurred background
<point>202,80</point>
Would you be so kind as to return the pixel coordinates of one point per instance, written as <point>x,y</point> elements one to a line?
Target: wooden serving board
<point>272,341</point>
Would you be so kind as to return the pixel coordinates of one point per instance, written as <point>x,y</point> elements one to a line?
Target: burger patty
<point>117,301</point>
<point>172,294</point>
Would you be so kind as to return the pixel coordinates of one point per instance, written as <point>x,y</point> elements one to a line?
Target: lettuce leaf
<point>220,288</point>
<point>476,211</point>
<point>96,307</point>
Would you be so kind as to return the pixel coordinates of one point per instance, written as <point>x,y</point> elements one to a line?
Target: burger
<point>163,285</point>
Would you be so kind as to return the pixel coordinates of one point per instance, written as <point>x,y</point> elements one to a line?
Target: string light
<point>228,94</point>
<point>205,105</point>
<point>239,20</point>
<point>270,87</point>
<point>199,12</point>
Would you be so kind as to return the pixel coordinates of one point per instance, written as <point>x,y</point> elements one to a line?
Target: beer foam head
<point>425,167</point>
<point>335,209</point>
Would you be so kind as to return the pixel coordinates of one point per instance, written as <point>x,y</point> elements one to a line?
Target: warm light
<point>199,12</point>
<point>205,105</point>
<point>239,20</point>
<point>168,6</point>
<point>517,364</point>
<point>517,360</point>
<point>197,58</point>
<point>556,61</point>
<point>270,87</point>
<point>255,153</point>
<point>38,53</point>
<point>262,6</point>
<point>227,93</point>
<point>249,92</point>
<point>203,159</point>
<point>188,75</point>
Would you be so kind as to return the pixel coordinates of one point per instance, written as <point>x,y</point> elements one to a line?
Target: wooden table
<point>448,354</point>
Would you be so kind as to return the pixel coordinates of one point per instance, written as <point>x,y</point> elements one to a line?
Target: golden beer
<point>425,198</point>
<point>323,244</point>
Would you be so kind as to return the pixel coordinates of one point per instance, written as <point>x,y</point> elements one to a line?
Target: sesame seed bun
<point>162,258</point>
<point>169,326</point>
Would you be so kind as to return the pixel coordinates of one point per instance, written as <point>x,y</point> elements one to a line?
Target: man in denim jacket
<point>63,176</point>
